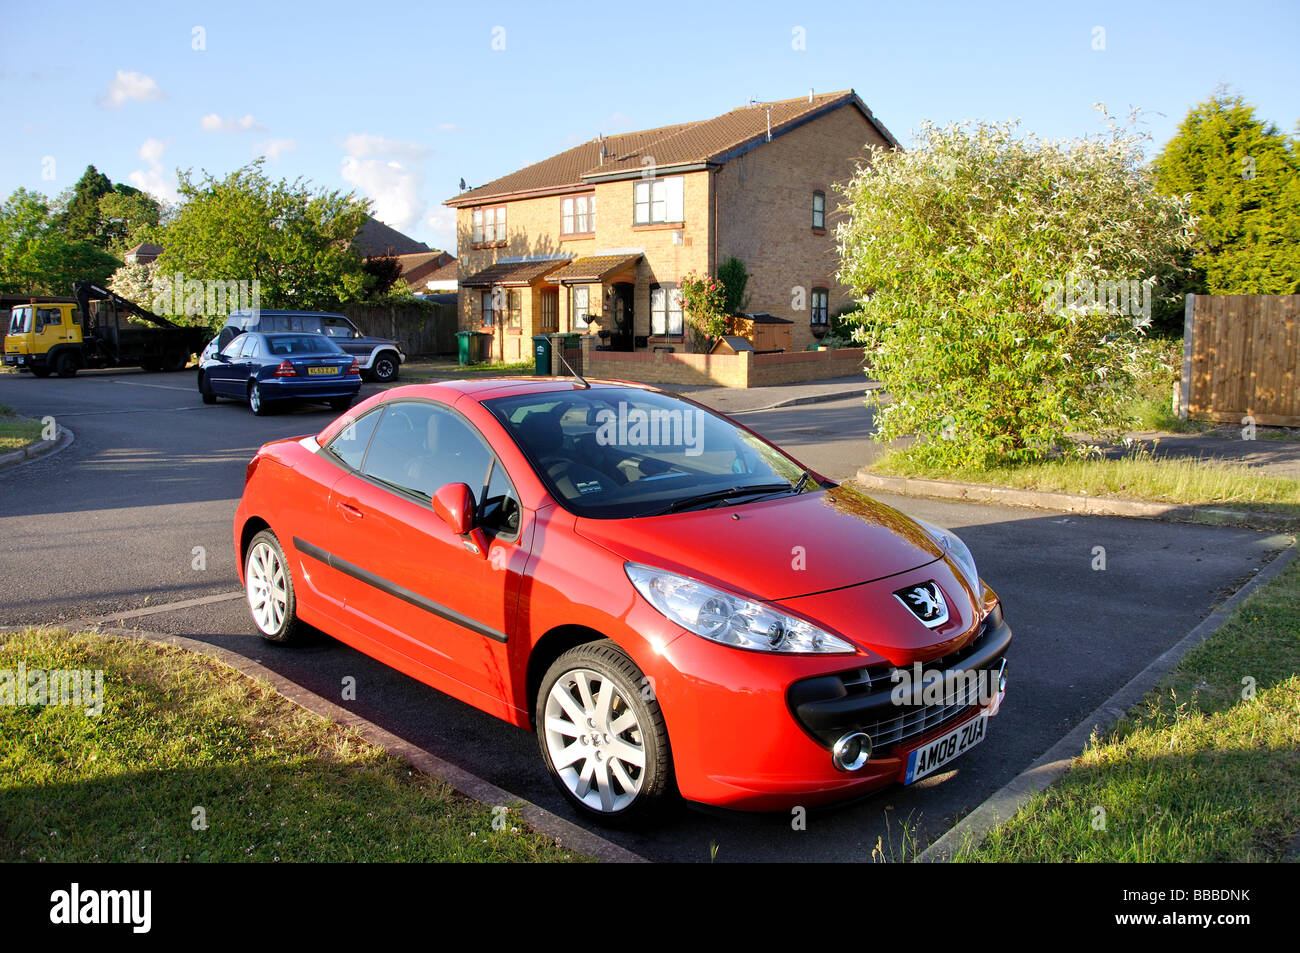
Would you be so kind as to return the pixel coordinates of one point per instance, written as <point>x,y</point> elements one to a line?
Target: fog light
<point>852,751</point>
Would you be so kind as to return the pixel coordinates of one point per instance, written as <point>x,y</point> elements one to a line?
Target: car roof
<point>490,388</point>
<point>280,312</point>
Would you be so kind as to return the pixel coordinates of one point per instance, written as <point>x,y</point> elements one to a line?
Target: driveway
<point>117,523</point>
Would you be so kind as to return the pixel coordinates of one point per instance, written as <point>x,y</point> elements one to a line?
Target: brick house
<point>596,238</point>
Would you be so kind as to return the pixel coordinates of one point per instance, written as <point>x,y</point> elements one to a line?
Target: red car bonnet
<point>777,549</point>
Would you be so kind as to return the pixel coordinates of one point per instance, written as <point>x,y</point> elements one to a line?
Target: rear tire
<point>258,404</point>
<point>340,403</point>
<point>268,590</point>
<point>595,721</point>
<point>205,389</point>
<point>65,365</point>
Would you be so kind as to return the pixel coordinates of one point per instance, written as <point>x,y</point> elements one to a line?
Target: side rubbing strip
<point>396,591</point>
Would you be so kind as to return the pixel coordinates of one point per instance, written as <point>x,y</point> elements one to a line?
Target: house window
<point>578,215</point>
<point>820,306</point>
<point>489,225</point>
<point>581,307</point>
<point>514,310</point>
<point>488,317</point>
<point>819,210</point>
<point>658,200</point>
<point>665,311</point>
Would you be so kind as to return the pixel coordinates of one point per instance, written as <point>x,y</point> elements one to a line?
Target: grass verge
<point>16,432</point>
<point>1138,476</point>
<point>1207,770</point>
<point>183,739</point>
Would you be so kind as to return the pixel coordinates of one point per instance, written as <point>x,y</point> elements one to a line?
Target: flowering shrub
<point>954,248</point>
<point>704,305</point>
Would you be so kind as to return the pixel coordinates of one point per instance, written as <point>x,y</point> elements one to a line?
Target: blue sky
<point>399,101</point>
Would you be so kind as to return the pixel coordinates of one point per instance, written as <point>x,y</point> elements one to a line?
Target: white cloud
<point>449,127</point>
<point>126,86</point>
<point>274,148</point>
<point>215,123</point>
<point>366,146</point>
<point>390,172</point>
<point>153,180</point>
<point>442,221</point>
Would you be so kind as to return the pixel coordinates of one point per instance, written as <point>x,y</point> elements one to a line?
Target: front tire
<point>602,734</point>
<point>65,365</point>
<point>386,367</point>
<point>41,372</point>
<point>205,389</point>
<point>268,588</point>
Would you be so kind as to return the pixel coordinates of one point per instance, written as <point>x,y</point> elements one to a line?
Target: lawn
<point>1207,770</point>
<point>193,761</point>
<point>16,432</point>
<point>1137,476</point>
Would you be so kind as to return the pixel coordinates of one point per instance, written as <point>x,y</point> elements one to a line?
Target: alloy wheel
<point>594,740</point>
<point>268,597</point>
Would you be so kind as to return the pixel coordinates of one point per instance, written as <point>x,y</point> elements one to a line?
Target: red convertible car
<point>673,604</point>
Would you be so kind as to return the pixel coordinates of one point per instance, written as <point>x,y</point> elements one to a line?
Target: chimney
<point>810,94</point>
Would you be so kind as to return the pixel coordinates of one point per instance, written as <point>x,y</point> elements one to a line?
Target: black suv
<point>380,359</point>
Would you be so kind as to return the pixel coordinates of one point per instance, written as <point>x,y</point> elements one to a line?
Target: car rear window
<point>285,345</point>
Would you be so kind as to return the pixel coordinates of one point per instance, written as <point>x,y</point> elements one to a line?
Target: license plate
<point>939,752</point>
<point>321,370</point>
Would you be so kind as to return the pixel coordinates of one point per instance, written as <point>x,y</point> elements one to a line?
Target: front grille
<point>862,699</point>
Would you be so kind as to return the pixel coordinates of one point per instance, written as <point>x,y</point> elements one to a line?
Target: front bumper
<point>754,732</point>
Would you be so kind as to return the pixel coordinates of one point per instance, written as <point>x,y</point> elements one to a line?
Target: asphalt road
<point>137,513</point>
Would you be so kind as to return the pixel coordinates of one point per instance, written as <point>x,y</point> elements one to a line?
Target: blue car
<point>269,369</point>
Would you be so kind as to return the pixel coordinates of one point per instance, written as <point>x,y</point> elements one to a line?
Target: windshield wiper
<point>720,496</point>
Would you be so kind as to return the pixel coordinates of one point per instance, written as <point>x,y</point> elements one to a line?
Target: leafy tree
<point>382,272</point>
<point>1243,177</point>
<point>36,256</point>
<point>80,220</point>
<point>734,277</point>
<point>290,238</point>
<point>127,217</point>
<point>971,254</point>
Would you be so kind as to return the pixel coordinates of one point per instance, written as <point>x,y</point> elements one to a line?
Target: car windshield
<point>20,322</point>
<point>622,452</point>
<point>289,344</point>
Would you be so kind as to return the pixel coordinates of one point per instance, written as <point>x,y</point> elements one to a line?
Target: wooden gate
<point>1241,356</point>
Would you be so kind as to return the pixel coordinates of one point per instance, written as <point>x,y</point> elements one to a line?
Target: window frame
<point>488,316</point>
<point>816,212</point>
<point>585,321</point>
<point>672,294</point>
<point>825,295</point>
<point>569,221</point>
<point>669,183</point>
<point>479,224</point>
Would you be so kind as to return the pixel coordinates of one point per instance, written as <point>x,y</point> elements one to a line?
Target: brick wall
<point>765,213</point>
<point>723,370</point>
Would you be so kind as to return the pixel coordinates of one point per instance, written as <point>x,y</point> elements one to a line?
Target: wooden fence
<point>427,329</point>
<point>1241,357</point>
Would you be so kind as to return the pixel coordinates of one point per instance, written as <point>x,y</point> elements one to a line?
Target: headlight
<point>957,550</point>
<point>729,619</point>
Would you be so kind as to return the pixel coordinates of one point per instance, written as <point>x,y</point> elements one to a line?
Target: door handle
<point>350,512</point>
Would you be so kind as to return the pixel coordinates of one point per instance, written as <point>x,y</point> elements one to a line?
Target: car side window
<point>350,444</point>
<point>233,349</point>
<point>420,447</point>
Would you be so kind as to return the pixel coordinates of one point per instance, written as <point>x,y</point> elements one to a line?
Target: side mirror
<point>454,505</point>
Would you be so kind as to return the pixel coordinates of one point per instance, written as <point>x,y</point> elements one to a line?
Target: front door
<point>621,333</point>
